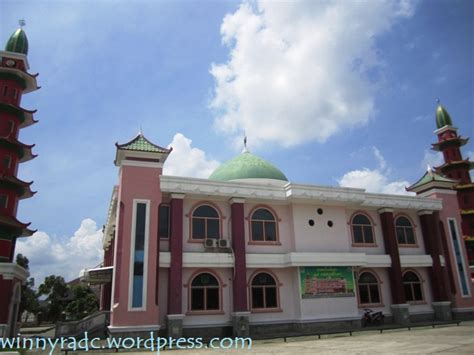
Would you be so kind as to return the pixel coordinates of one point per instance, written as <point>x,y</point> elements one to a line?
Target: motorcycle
<point>372,318</point>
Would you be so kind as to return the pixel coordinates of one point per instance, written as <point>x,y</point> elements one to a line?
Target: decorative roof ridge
<point>15,179</point>
<point>16,141</point>
<point>18,107</point>
<point>429,176</point>
<point>13,222</point>
<point>137,138</point>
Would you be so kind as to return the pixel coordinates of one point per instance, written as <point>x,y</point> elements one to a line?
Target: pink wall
<point>137,183</point>
<point>451,210</point>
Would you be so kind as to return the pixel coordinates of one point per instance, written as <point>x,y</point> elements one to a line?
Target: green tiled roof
<point>430,176</point>
<point>18,42</point>
<point>141,144</point>
<point>247,166</point>
<point>442,117</point>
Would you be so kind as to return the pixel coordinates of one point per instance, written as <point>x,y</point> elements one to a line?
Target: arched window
<point>205,293</point>
<point>412,287</point>
<point>369,288</point>
<point>404,229</point>
<point>264,291</point>
<point>362,230</point>
<point>263,226</point>
<point>205,223</point>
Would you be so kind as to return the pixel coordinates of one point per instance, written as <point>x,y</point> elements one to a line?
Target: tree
<point>56,290</point>
<point>84,302</point>
<point>29,299</point>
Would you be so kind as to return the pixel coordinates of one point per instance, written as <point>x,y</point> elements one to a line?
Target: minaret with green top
<point>457,168</point>
<point>14,82</point>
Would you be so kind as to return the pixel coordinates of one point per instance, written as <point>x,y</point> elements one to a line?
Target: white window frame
<point>145,256</point>
<point>466,279</point>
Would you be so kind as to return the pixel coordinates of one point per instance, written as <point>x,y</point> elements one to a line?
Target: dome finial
<point>140,131</point>
<point>438,100</point>
<point>245,144</point>
<point>22,23</point>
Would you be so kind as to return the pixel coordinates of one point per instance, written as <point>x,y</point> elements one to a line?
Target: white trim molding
<point>10,271</point>
<point>145,255</point>
<point>416,260</point>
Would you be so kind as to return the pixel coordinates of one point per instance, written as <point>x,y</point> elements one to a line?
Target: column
<point>399,306</point>
<point>240,315</point>
<point>437,273</point>
<point>174,319</point>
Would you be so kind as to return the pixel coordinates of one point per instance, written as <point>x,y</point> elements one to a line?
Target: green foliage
<point>56,290</point>
<point>22,261</point>
<point>84,303</point>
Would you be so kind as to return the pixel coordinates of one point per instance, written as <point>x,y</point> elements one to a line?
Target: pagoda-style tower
<point>14,82</point>
<point>457,168</point>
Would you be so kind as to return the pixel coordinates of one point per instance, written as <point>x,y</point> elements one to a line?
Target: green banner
<point>326,281</point>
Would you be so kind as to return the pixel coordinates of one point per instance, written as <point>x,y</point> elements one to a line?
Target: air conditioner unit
<point>210,243</point>
<point>223,243</point>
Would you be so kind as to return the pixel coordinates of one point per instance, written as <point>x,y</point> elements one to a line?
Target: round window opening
<point>311,222</point>
<point>320,211</point>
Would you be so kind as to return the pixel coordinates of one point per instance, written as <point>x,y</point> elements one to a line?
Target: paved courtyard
<point>450,339</point>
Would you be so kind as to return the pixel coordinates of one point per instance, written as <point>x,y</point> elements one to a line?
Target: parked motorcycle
<point>372,318</point>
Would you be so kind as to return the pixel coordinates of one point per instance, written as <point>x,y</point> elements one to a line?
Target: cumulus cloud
<point>300,71</point>
<point>185,160</point>
<point>375,180</point>
<point>432,159</point>
<point>63,256</point>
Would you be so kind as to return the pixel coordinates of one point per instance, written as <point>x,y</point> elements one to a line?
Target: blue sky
<point>332,93</point>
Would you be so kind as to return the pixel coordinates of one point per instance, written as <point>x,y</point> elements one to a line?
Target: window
<point>3,201</point>
<point>7,161</point>
<point>459,257</point>
<point>369,288</point>
<point>5,90</point>
<point>362,230</point>
<point>139,255</point>
<point>264,291</point>
<point>164,221</point>
<point>205,223</point>
<point>15,93</point>
<point>11,126</point>
<point>263,226</point>
<point>412,287</point>
<point>404,230</point>
<point>205,293</point>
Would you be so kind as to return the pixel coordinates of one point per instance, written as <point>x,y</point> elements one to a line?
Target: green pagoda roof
<point>442,117</point>
<point>18,42</point>
<point>247,166</point>
<point>432,178</point>
<point>141,144</point>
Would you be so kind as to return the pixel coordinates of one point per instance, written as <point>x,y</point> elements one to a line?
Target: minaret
<point>14,82</point>
<point>456,168</point>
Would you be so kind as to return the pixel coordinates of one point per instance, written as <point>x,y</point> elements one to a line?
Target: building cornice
<point>295,259</point>
<point>294,192</point>
<point>10,271</point>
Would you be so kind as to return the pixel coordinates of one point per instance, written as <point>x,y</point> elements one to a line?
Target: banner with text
<point>326,281</point>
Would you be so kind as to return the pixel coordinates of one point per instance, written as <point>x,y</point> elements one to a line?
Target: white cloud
<point>375,180</point>
<point>432,159</point>
<point>298,71</point>
<point>185,160</point>
<point>65,256</point>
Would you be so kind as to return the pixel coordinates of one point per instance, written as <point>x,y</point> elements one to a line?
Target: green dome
<point>442,117</point>
<point>247,166</point>
<point>18,42</point>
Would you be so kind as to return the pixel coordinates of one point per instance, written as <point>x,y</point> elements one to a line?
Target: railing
<point>95,324</point>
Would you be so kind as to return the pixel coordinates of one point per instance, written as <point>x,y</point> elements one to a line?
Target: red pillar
<point>391,248</point>
<point>239,287</point>
<point>175,283</point>
<point>432,239</point>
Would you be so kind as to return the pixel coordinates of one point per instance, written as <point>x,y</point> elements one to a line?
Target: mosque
<point>247,252</point>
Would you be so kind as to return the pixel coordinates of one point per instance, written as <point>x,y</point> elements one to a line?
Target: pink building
<point>222,256</point>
